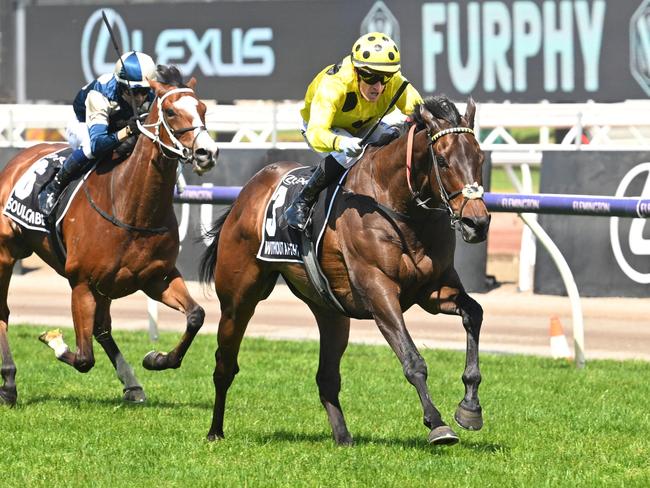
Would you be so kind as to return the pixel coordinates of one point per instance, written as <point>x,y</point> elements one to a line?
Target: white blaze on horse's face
<point>205,150</point>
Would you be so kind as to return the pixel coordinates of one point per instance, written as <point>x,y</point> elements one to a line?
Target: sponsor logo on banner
<point>250,53</point>
<point>640,45</point>
<point>493,45</point>
<point>637,244</point>
<point>381,19</point>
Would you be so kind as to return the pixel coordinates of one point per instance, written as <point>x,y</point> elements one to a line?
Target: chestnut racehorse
<point>389,244</point>
<point>120,235</point>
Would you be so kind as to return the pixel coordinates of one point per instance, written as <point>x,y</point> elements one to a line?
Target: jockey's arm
<point>409,99</point>
<point>321,115</point>
<point>97,120</point>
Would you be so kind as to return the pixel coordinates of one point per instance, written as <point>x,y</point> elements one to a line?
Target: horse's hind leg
<point>8,392</point>
<point>238,300</point>
<point>334,334</point>
<point>133,392</point>
<point>172,291</point>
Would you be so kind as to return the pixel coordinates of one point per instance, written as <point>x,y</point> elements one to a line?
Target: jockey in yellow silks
<point>342,104</point>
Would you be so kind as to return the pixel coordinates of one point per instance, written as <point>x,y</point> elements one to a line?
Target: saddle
<point>281,243</point>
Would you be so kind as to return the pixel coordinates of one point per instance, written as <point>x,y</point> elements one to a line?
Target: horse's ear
<point>427,117</point>
<point>192,83</point>
<point>157,87</point>
<point>470,112</point>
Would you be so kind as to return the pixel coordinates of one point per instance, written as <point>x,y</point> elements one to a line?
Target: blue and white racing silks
<point>99,105</point>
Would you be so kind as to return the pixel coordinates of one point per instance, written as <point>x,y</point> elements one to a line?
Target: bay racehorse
<point>389,244</point>
<point>120,235</point>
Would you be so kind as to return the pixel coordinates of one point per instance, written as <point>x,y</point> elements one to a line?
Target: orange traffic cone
<point>559,344</point>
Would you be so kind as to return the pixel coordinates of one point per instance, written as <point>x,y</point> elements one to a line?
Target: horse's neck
<point>143,185</point>
<point>385,174</point>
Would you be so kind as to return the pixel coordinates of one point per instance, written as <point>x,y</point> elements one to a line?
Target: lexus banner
<point>522,51</point>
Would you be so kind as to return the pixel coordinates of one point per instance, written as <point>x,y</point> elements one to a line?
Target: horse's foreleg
<point>388,316</point>
<point>334,334</point>
<point>173,292</point>
<point>8,392</point>
<point>469,414</point>
<point>83,315</point>
<point>455,301</point>
<point>133,392</point>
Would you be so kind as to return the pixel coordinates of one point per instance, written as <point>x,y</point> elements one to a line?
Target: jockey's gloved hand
<point>389,135</point>
<point>351,146</point>
<point>132,124</point>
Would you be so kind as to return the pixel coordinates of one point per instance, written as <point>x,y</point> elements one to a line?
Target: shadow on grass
<point>408,442</point>
<point>76,401</point>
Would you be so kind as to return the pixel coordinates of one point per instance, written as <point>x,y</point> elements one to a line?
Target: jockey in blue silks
<point>104,119</point>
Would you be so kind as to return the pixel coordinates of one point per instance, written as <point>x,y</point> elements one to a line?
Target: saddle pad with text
<point>279,241</point>
<point>22,205</point>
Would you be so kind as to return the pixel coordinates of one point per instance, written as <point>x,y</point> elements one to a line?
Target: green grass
<point>546,424</point>
<point>500,181</point>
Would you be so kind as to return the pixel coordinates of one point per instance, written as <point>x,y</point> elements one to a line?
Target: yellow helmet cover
<point>377,52</point>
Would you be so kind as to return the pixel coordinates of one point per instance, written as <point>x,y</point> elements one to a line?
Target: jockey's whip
<point>119,56</point>
<point>392,103</point>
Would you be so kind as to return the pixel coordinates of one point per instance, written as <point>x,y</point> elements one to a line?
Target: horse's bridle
<point>472,191</point>
<point>178,149</point>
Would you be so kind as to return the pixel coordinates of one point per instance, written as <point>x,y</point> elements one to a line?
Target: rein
<point>118,223</point>
<point>469,192</point>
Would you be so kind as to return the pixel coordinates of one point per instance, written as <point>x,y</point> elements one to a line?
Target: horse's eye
<point>442,161</point>
<point>170,112</point>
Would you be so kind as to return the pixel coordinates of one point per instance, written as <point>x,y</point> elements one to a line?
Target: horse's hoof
<point>346,441</point>
<point>443,436</point>
<point>155,361</point>
<point>214,437</point>
<point>134,395</point>
<point>50,335</point>
<point>469,419</point>
<point>8,397</point>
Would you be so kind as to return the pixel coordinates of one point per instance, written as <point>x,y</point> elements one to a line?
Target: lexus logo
<point>98,55</point>
<point>637,244</point>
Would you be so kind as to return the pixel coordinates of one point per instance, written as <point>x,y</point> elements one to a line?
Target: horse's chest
<point>422,269</point>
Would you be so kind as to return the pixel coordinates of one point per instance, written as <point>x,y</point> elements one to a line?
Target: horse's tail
<point>209,258</point>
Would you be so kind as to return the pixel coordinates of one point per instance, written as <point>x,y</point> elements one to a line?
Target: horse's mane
<point>170,75</point>
<point>440,107</point>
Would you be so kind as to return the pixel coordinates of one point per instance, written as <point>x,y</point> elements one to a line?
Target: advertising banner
<point>608,256</point>
<point>523,51</point>
<point>7,48</point>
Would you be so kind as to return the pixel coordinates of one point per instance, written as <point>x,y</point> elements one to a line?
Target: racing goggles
<point>372,77</point>
<point>140,90</point>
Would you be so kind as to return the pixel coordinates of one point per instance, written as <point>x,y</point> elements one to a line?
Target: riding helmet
<point>134,68</point>
<point>377,52</point>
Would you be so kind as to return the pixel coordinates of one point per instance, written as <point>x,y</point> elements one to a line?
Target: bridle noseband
<point>472,191</point>
<point>178,149</point>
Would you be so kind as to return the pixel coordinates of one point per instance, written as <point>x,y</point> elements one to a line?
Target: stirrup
<point>46,203</point>
<point>296,217</point>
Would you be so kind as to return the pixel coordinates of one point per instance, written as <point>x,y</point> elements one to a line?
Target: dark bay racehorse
<point>107,259</point>
<point>389,245</point>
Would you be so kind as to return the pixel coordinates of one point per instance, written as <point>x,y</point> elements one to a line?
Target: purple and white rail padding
<point>542,203</point>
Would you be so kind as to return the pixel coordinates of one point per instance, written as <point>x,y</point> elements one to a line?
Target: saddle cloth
<point>22,205</point>
<point>279,241</point>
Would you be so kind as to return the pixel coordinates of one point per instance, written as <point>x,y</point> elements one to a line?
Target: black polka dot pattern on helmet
<point>366,54</point>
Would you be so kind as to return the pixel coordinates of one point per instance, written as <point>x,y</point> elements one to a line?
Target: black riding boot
<point>327,171</point>
<point>50,194</point>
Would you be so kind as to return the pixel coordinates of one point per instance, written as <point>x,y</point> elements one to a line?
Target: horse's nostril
<point>201,152</point>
